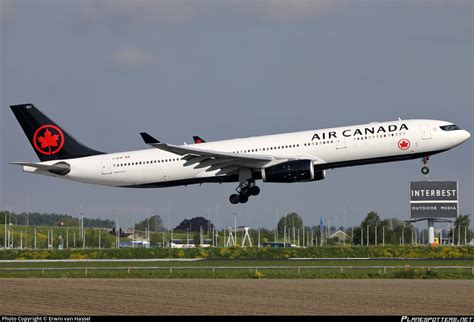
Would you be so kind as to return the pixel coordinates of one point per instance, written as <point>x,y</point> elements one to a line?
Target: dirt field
<point>209,297</point>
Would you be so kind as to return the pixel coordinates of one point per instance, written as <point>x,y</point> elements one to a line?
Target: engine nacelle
<point>292,171</point>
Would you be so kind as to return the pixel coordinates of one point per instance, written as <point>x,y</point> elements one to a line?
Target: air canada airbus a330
<point>284,158</point>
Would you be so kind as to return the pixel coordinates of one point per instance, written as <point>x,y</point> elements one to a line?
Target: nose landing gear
<point>244,190</point>
<point>425,170</point>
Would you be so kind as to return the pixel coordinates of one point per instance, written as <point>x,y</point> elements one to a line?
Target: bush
<point>258,275</point>
<point>346,251</point>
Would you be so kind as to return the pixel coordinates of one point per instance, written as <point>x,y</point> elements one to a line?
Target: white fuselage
<point>327,148</point>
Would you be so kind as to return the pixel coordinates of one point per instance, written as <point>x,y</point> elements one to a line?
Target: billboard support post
<point>430,231</point>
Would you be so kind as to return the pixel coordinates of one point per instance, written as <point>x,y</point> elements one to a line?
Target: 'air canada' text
<point>360,132</point>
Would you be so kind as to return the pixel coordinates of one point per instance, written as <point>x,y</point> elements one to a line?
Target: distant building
<point>179,243</point>
<point>136,243</point>
<point>277,245</point>
<point>340,236</point>
<point>206,243</point>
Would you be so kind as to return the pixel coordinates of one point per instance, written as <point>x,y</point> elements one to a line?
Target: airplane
<point>279,158</point>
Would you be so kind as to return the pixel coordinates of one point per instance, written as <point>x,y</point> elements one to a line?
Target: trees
<point>289,221</point>
<point>154,223</point>
<point>37,219</point>
<point>266,235</point>
<point>388,231</point>
<point>293,224</point>
<point>462,233</point>
<point>368,227</point>
<point>195,224</point>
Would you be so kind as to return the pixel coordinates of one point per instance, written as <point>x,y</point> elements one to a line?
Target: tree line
<point>51,219</point>
<point>371,231</point>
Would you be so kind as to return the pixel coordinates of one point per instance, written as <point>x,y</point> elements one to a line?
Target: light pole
<point>383,235</point>
<point>258,242</point>
<point>235,227</point>
<point>217,226</point>
<point>189,230</point>
<point>148,226</point>
<point>275,237</point>
<point>367,235</point>
<point>375,235</point>
<point>5,243</point>
<point>201,238</point>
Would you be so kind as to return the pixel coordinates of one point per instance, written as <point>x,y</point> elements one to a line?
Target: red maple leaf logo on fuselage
<point>404,144</point>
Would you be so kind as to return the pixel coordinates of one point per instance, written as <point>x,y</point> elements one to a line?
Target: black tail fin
<point>48,139</point>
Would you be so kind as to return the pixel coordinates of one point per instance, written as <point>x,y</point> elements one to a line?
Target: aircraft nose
<point>467,135</point>
<point>464,136</point>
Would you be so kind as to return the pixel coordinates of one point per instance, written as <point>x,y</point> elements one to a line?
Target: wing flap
<point>203,158</point>
<point>225,162</point>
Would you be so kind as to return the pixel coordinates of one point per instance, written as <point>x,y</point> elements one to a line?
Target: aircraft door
<point>341,143</point>
<point>106,169</point>
<point>425,132</point>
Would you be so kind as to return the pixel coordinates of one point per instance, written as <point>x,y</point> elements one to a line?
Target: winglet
<point>148,138</point>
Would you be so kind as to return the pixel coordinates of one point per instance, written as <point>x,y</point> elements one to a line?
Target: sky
<point>107,70</point>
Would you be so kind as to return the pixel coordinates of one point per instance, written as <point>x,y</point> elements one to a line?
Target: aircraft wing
<point>225,162</point>
<point>211,159</point>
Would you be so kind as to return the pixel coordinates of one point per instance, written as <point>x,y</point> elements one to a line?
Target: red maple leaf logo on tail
<point>48,140</point>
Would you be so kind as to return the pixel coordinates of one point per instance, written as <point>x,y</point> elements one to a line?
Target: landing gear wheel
<point>243,198</point>
<point>235,199</point>
<point>254,191</point>
<point>425,170</point>
<point>245,192</point>
<point>245,189</point>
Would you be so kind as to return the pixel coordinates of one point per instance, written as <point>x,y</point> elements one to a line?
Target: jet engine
<point>292,171</point>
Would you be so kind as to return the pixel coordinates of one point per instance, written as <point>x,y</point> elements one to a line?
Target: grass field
<point>248,269</point>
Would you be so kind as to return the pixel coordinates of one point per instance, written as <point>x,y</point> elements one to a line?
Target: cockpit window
<point>450,127</point>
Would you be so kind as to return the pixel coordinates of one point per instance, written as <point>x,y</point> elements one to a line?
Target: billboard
<point>434,199</point>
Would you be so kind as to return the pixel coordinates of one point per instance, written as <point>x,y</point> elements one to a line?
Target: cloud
<point>288,10</point>
<point>141,10</point>
<point>132,57</point>
<point>181,11</point>
<point>5,9</point>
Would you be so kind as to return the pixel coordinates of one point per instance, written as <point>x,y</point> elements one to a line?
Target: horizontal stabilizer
<point>61,168</point>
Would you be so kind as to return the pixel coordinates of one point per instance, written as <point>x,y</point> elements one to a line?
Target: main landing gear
<point>244,191</point>
<point>425,170</point>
